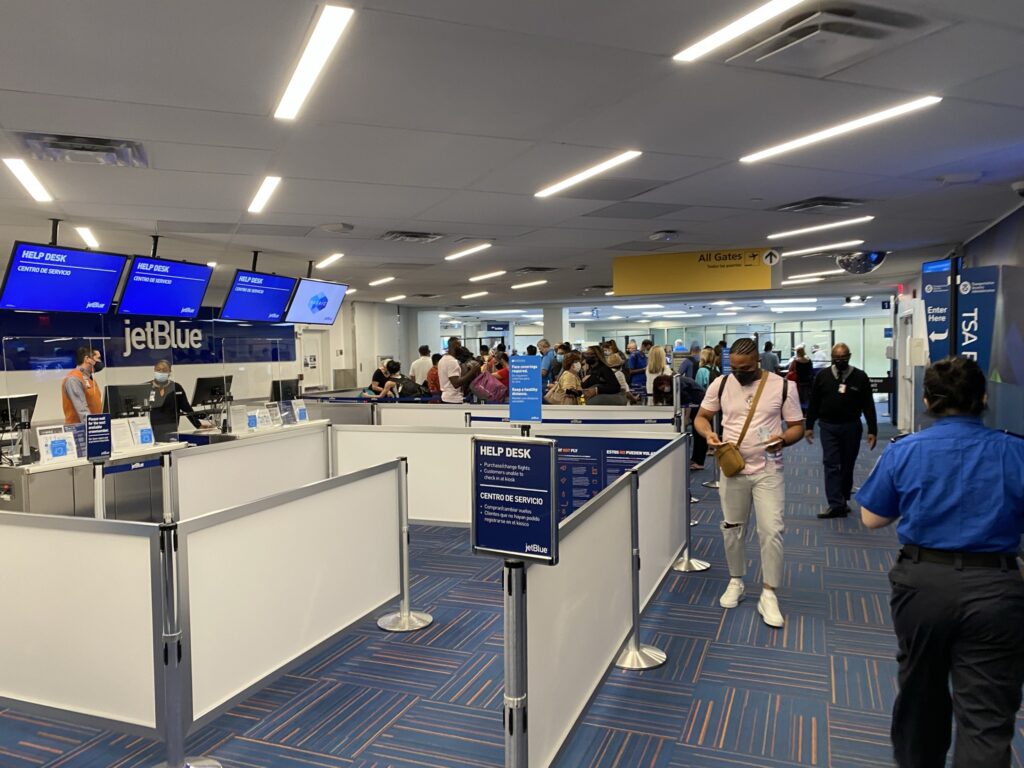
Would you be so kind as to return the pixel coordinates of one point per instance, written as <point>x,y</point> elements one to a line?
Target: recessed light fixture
<point>263,194</point>
<point>444,317</point>
<point>833,225</point>
<point>87,237</point>
<point>588,173</point>
<point>643,321</point>
<point>211,264</point>
<point>794,309</point>
<point>28,179</point>
<point>328,29</point>
<point>609,293</point>
<point>540,324</point>
<point>399,297</point>
<point>741,26</point>
<point>529,285</point>
<point>468,251</point>
<point>725,314</point>
<point>826,273</point>
<point>854,304</point>
<point>847,127</point>
<point>790,301</point>
<point>381,281</point>
<point>330,260</point>
<point>616,317</point>
<point>802,280</point>
<point>722,303</point>
<point>820,248</point>
<point>502,311</point>
<point>488,276</point>
<point>639,306</point>
<point>476,295</point>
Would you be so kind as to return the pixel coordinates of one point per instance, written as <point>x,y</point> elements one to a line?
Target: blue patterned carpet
<point>734,694</point>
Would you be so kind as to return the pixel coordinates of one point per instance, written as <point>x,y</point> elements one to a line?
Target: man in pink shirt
<point>761,481</point>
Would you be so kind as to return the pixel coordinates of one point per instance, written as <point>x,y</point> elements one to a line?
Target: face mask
<point>746,377</point>
<point>161,378</point>
<point>560,358</point>
<point>590,360</point>
<point>98,366</point>
<point>576,367</point>
<point>840,364</point>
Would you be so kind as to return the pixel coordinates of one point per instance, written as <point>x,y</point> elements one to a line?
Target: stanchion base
<point>195,762</point>
<point>396,622</point>
<point>640,658</point>
<point>694,500</point>
<point>712,484</point>
<point>694,522</point>
<point>688,565</point>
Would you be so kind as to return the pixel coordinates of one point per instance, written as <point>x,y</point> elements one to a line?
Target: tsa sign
<point>513,500</point>
<point>976,307</point>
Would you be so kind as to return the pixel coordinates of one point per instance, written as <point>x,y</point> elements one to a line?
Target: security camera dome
<point>861,262</point>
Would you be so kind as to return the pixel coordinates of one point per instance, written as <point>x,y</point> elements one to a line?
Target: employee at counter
<point>167,403</point>
<point>79,394</point>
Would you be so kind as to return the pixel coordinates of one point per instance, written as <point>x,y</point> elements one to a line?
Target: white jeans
<point>767,492</point>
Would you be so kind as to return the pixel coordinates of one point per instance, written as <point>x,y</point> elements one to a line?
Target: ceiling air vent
<point>85,150</point>
<point>421,238</point>
<point>819,204</point>
<point>535,270</point>
<point>425,296</point>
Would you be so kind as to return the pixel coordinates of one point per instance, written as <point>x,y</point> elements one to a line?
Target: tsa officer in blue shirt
<point>956,491</point>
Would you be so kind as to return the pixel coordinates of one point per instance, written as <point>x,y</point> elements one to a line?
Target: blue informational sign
<point>59,448</point>
<point>77,432</point>
<point>146,436</point>
<point>164,288</point>
<point>726,368</point>
<point>257,297</point>
<point>513,501</point>
<point>51,279</point>
<point>525,389</point>
<point>887,333</point>
<point>935,287</point>
<point>97,436</point>
<point>976,308</point>
<point>316,302</point>
<point>117,469</point>
<point>587,465</point>
<point>493,327</point>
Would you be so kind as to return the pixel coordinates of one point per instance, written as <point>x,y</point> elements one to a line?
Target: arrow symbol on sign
<point>936,336</point>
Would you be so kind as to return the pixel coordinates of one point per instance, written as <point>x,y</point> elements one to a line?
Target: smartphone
<point>773,444</point>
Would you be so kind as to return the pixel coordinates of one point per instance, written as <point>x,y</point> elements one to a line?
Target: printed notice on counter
<point>142,431</point>
<point>238,416</point>
<point>97,435</point>
<point>56,443</point>
<point>513,500</point>
<point>121,436</point>
<point>274,410</point>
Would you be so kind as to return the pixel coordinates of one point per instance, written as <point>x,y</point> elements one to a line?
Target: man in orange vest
<point>79,394</point>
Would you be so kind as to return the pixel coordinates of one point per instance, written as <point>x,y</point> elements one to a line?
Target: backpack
<point>409,388</point>
<point>489,388</point>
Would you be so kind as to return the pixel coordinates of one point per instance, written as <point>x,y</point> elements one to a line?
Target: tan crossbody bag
<point>730,460</point>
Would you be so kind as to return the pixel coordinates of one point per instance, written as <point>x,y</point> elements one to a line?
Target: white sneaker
<point>733,594</point>
<point>768,607</point>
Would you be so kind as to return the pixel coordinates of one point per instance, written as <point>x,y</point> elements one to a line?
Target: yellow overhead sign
<point>747,269</point>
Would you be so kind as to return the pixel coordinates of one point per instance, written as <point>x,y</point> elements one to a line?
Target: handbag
<point>730,460</point>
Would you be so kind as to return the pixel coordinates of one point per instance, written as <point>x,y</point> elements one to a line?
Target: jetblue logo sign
<point>160,335</point>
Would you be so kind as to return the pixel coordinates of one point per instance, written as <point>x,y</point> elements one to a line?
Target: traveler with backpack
<point>706,373</point>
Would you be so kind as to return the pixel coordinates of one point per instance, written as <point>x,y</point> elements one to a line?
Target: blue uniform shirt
<point>545,365</point>
<point>957,486</point>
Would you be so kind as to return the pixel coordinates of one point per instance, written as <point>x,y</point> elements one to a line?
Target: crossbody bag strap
<point>753,407</point>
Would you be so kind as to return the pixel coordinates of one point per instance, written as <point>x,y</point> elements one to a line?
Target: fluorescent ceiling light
<point>678,313</point>
<point>643,321</point>
<point>383,280</point>
<point>468,251</point>
<point>820,248</point>
<point>328,29</point>
<point>444,317</point>
<point>616,317</point>
<point>540,324</point>
<point>329,260</point>
<point>826,273</point>
<point>741,26</point>
<point>502,311</point>
<point>794,309</point>
<point>725,314</point>
<point>534,317</point>
<point>211,264</point>
<point>87,237</point>
<point>722,303</point>
<point>351,290</point>
<point>488,276</point>
<point>854,304</point>
<point>790,301</point>
<point>475,295</point>
<point>639,306</point>
<point>263,194</point>
<point>847,127</point>
<point>588,173</point>
<point>802,280</point>
<point>529,285</point>
<point>833,225</point>
<point>399,297</point>
<point>28,179</point>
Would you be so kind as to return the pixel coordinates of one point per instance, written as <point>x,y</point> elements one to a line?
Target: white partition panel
<point>266,586</point>
<point>661,514</point>
<point>76,597</point>
<point>429,415</point>
<point>239,471</point>
<point>578,616</point>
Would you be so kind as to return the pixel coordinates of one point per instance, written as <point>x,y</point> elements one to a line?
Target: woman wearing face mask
<point>167,402</point>
<point>600,386</point>
<point>567,388</point>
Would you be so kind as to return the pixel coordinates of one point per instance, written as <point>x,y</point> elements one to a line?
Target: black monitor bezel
<point>295,290</point>
<point>110,302</point>
<point>287,303</point>
<point>127,280</point>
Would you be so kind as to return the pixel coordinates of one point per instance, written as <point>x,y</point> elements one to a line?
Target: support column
<point>556,326</point>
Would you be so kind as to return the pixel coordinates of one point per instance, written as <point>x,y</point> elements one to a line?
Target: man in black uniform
<point>839,395</point>
<point>167,401</point>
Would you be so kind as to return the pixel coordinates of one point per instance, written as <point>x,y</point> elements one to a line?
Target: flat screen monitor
<point>211,390</point>
<point>316,302</point>
<point>257,296</point>
<point>16,410</point>
<point>120,400</point>
<point>164,288</point>
<point>49,278</point>
<point>284,389</point>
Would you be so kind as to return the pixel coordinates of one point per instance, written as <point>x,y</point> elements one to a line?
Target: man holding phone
<point>741,396</point>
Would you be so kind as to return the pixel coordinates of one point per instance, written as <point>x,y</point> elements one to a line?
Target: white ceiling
<point>446,116</point>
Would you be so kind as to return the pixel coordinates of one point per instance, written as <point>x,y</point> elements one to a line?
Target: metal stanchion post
<point>514,715</point>
<point>685,564</point>
<point>469,419</point>
<point>636,655</point>
<point>404,620</point>
<point>677,402</point>
<point>99,492</point>
<point>715,484</point>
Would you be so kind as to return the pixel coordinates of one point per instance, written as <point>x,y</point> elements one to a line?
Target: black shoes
<point>833,512</point>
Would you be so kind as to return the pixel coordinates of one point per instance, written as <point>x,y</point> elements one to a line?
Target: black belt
<point>959,559</point>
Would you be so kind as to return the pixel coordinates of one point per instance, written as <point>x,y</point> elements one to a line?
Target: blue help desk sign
<point>514,512</point>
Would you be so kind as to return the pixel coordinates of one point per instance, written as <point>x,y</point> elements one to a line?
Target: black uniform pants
<point>840,444</point>
<point>962,629</point>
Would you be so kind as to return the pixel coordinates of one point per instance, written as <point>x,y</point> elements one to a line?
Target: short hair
<point>531,350</point>
<point>435,358</point>
<point>165,363</point>
<point>81,353</point>
<point>768,346</point>
<point>743,346</point>
<point>501,348</point>
<point>454,339</point>
<point>543,343</point>
<point>646,343</point>
<point>424,350</point>
<point>563,348</point>
<point>955,385</point>
<point>695,349</point>
<point>484,349</point>
<point>394,367</point>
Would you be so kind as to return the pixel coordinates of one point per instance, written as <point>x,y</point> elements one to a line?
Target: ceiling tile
<point>488,207</point>
<point>636,210</point>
